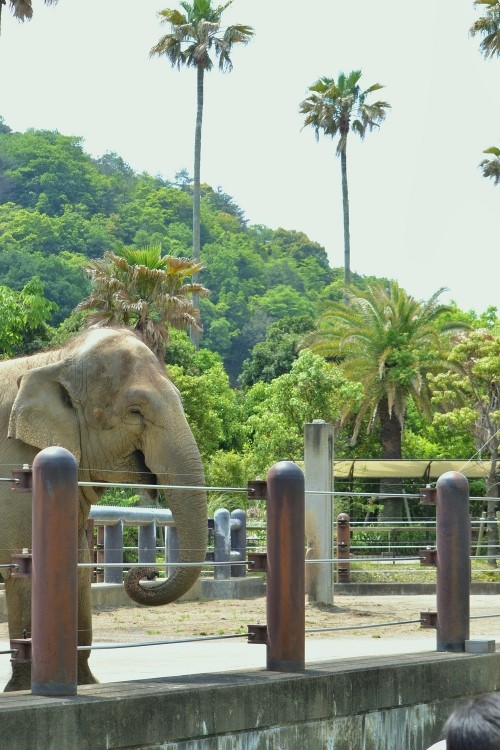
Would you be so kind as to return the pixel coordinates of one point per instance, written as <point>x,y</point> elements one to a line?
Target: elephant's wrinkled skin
<point>105,398</point>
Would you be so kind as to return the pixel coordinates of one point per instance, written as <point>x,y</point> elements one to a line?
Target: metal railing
<point>226,533</point>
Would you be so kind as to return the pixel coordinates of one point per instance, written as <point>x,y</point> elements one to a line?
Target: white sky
<point>421,212</point>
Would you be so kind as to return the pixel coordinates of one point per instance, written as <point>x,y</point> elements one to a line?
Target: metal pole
<point>113,552</point>
<point>147,543</point>
<point>239,541</point>
<point>343,548</point>
<point>453,542</point>
<point>285,568</point>
<point>55,573</point>
<point>222,544</point>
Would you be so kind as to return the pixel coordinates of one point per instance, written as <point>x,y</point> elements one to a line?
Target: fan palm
<point>22,9</point>
<point>145,291</point>
<point>488,26</point>
<point>491,167</point>
<point>388,341</point>
<point>334,108</point>
<point>194,38</point>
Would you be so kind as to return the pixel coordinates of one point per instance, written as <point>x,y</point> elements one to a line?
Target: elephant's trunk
<point>189,510</point>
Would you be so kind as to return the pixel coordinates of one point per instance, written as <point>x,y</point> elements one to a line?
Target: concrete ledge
<point>385,702</point>
<point>408,589</point>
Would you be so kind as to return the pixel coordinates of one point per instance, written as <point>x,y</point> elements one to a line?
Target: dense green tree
<point>274,357</point>
<point>46,170</point>
<point>276,412</point>
<point>211,405</point>
<point>23,316</point>
<point>389,342</point>
<point>62,276</point>
<point>469,395</point>
<point>334,108</point>
<point>195,37</point>
<point>488,27</point>
<point>144,290</point>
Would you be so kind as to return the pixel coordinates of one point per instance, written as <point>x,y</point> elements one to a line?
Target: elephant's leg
<point>18,595</point>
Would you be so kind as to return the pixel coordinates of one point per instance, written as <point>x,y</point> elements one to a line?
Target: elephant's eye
<point>134,414</point>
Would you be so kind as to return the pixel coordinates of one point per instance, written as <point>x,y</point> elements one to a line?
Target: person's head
<point>475,726</point>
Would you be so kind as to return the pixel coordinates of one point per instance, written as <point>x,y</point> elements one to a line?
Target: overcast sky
<point>421,212</point>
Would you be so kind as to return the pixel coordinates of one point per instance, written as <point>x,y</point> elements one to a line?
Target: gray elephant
<point>104,397</point>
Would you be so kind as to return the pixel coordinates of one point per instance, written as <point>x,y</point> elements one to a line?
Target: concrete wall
<point>386,703</point>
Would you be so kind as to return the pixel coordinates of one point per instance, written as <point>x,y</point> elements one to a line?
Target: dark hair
<point>475,726</point>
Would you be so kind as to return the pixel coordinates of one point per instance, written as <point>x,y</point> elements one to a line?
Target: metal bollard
<point>343,548</point>
<point>172,547</point>
<point>222,544</point>
<point>147,543</point>
<point>113,552</point>
<point>55,573</point>
<point>239,541</point>
<point>453,542</point>
<point>285,568</point>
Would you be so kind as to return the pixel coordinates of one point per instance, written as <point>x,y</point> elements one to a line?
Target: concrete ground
<point>122,664</point>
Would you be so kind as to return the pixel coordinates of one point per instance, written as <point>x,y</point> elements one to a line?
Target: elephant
<point>106,398</point>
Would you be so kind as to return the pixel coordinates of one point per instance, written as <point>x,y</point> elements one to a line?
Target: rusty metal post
<point>55,573</point>
<point>343,548</point>
<point>453,542</point>
<point>286,568</point>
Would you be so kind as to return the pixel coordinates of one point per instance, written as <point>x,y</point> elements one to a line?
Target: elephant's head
<point>106,398</point>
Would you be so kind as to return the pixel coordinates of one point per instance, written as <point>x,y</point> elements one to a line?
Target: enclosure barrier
<point>228,531</point>
<point>54,643</point>
<point>55,571</point>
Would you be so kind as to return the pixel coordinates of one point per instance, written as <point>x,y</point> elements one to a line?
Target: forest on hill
<point>249,388</point>
<point>60,207</point>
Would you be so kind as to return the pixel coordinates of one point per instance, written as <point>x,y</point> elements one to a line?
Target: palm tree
<point>145,291</point>
<point>488,26</point>
<point>388,341</point>
<point>22,9</point>
<point>194,36</point>
<point>491,167</point>
<point>334,108</point>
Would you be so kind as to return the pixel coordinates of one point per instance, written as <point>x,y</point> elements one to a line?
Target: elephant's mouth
<point>142,473</point>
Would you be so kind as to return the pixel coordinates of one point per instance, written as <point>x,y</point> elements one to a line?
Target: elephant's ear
<point>42,414</point>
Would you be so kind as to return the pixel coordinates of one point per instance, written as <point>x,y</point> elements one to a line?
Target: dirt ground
<point>223,617</point>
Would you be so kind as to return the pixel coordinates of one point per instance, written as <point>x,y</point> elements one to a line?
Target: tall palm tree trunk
<point>390,439</point>
<point>195,339</point>
<point>345,205</point>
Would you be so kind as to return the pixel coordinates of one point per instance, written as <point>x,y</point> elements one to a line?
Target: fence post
<point>318,466</point>
<point>343,548</point>
<point>285,568</point>
<point>222,544</point>
<point>113,552</point>
<point>147,543</point>
<point>54,573</point>
<point>453,543</point>
<point>239,541</point>
<point>172,547</point>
